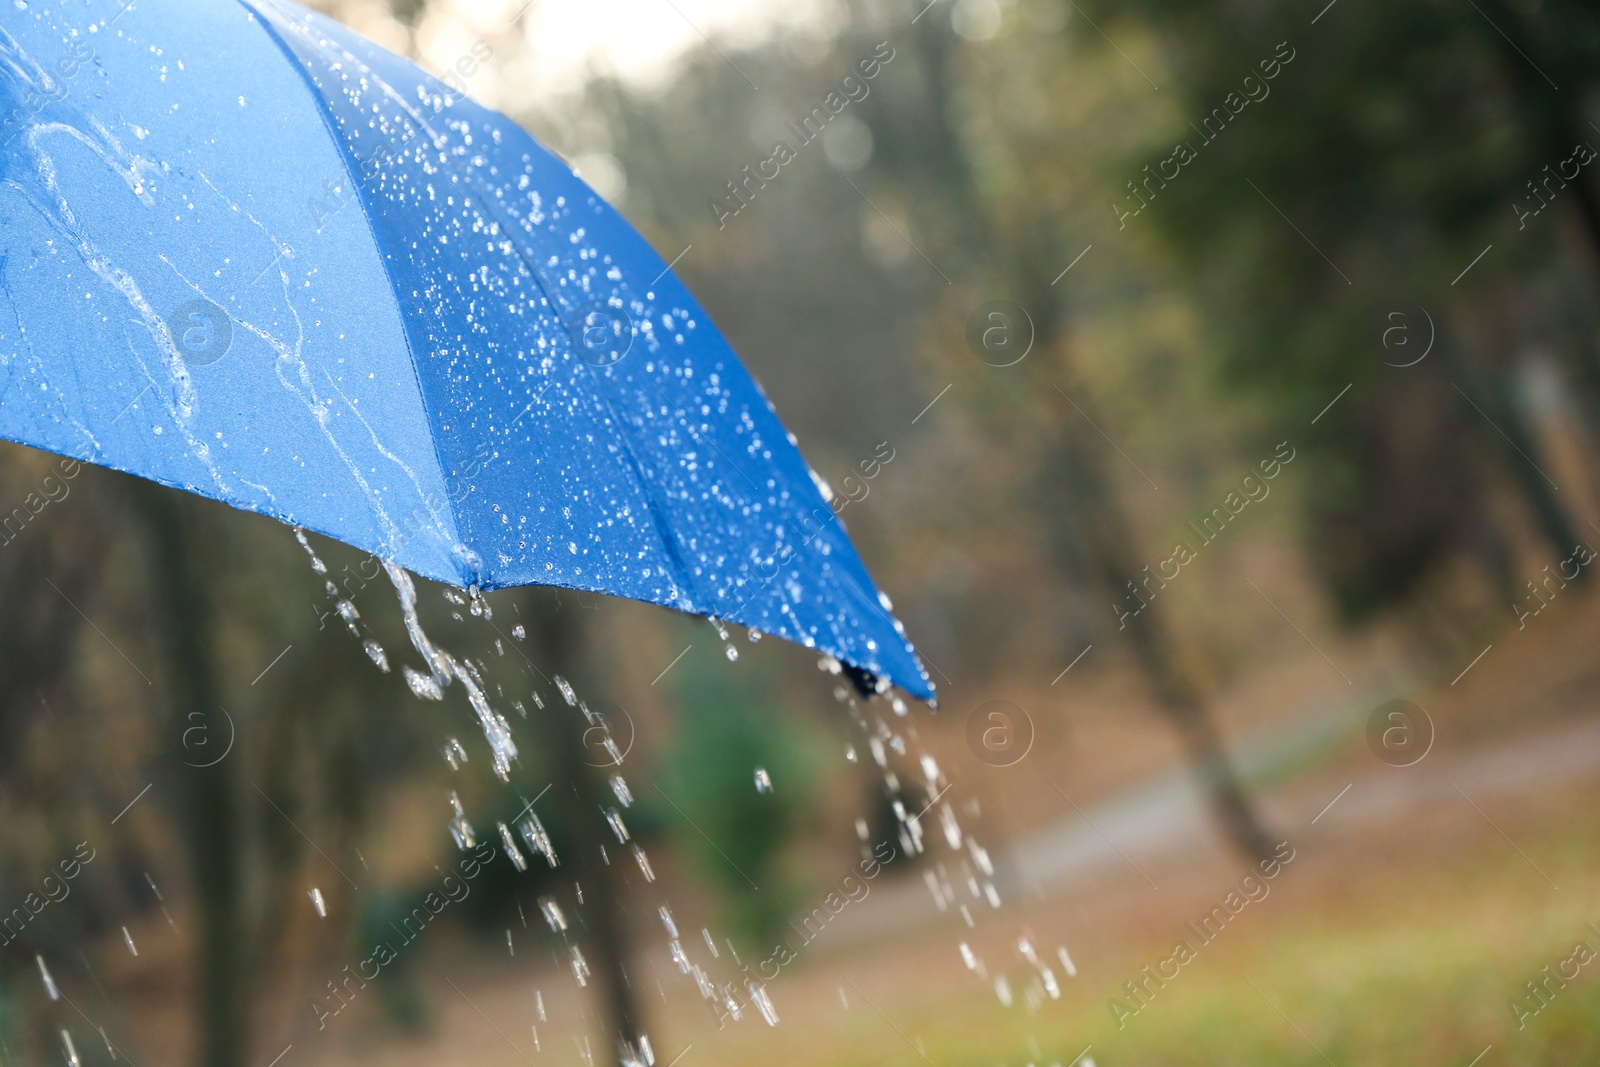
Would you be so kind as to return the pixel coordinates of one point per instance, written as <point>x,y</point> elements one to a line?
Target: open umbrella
<point>247,253</point>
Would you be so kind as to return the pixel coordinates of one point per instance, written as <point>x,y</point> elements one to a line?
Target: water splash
<point>445,668</point>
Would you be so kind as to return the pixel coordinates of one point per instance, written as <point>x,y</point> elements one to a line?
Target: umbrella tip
<point>866,683</point>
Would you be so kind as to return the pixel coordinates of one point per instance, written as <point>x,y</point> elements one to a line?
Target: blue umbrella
<point>248,253</point>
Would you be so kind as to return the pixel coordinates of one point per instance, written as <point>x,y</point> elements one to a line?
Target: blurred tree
<point>838,262</point>
<point>1402,141</point>
<point>206,800</point>
<point>729,728</point>
<point>578,764</point>
<point>1085,524</point>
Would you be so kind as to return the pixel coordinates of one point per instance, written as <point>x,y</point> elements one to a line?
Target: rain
<point>457,457</point>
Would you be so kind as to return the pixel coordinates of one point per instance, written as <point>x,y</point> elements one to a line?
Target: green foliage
<point>730,723</point>
<point>1353,185</point>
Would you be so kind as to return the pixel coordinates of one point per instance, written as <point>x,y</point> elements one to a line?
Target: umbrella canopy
<point>247,253</point>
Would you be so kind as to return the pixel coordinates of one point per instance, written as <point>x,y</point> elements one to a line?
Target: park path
<point>1288,766</point>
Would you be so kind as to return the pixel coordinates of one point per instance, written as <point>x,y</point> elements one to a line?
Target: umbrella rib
<point>322,55</point>
<point>346,153</point>
<point>685,575</point>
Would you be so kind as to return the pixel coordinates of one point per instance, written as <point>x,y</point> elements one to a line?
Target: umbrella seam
<point>667,537</point>
<point>345,154</point>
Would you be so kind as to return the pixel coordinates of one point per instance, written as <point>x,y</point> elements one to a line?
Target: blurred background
<point>1208,389</point>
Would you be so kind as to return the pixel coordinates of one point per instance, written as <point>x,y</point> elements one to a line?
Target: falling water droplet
<point>376,653</point>
<point>644,864</point>
<point>513,853</point>
<point>460,828</point>
<point>763,780</point>
<point>317,902</point>
<point>620,788</point>
<point>128,939</point>
<point>614,819</point>
<point>422,686</point>
<point>580,966</point>
<point>454,754</point>
<point>316,564</point>
<point>533,832</point>
<point>553,914</point>
<point>70,1049</point>
<point>49,982</point>
<point>518,632</point>
<point>763,1003</point>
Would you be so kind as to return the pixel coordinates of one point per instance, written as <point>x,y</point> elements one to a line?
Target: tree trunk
<point>206,798</point>
<point>558,630</point>
<point>1094,545</point>
<point>1207,758</point>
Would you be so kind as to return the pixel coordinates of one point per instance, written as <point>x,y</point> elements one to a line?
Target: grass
<point>1386,950</point>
